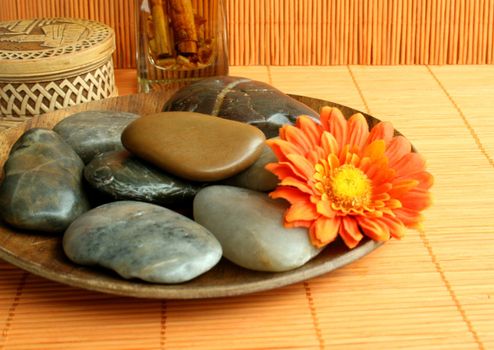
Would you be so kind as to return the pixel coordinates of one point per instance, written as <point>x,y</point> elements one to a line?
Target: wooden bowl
<point>42,254</point>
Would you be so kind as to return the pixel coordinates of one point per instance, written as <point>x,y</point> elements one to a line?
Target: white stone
<point>249,226</point>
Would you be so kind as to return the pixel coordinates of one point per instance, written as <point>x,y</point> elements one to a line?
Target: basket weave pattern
<point>28,99</point>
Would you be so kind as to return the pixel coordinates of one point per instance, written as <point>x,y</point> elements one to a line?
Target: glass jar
<point>180,41</point>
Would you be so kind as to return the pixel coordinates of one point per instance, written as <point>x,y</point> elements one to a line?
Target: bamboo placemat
<point>314,32</point>
<point>432,290</point>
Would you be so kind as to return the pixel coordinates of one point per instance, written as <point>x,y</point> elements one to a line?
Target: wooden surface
<point>43,255</point>
<point>432,290</point>
<point>317,32</point>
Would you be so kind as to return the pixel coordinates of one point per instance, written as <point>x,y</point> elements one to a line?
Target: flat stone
<point>249,226</point>
<point>256,177</point>
<point>42,188</point>
<point>124,176</point>
<point>142,240</point>
<point>194,146</point>
<point>94,132</point>
<point>240,99</point>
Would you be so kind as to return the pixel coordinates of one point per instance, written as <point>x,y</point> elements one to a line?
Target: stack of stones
<point>162,197</point>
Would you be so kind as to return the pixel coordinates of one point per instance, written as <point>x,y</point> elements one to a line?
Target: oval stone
<point>240,99</point>
<point>142,240</point>
<point>94,132</point>
<point>256,177</point>
<point>42,188</point>
<point>194,146</point>
<point>249,226</point>
<point>123,176</point>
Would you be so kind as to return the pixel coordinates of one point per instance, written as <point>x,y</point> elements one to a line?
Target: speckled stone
<point>241,99</point>
<point>142,240</point>
<point>256,177</point>
<point>42,188</point>
<point>249,226</point>
<point>123,176</point>
<point>194,146</point>
<point>94,132</point>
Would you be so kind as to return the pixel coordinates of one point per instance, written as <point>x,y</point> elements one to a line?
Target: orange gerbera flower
<point>339,178</point>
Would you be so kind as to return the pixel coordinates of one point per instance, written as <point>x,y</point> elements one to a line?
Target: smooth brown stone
<point>194,146</point>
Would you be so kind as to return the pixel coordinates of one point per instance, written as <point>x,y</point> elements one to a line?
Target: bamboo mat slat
<point>303,32</point>
<point>260,73</point>
<point>262,323</point>
<point>318,82</point>
<point>10,275</point>
<point>66,318</point>
<point>470,87</point>
<point>432,290</point>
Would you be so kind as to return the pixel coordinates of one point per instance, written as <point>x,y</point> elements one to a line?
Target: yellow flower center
<point>349,188</point>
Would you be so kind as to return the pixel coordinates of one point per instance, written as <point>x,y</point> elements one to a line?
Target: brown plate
<point>42,254</point>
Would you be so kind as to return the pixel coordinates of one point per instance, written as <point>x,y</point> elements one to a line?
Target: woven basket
<point>53,63</point>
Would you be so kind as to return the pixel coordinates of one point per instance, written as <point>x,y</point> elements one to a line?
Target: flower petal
<point>290,194</point>
<point>282,148</point>
<point>409,217</point>
<point>302,165</point>
<point>396,227</point>
<point>281,170</point>
<point>298,223</point>
<point>425,179</point>
<point>350,232</point>
<point>333,121</point>
<point>297,138</point>
<point>394,203</point>
<point>324,208</point>
<point>375,150</point>
<point>398,147</point>
<point>293,182</point>
<point>301,210</point>
<point>324,231</point>
<point>401,187</point>
<point>383,188</point>
<point>315,155</point>
<point>416,199</point>
<point>374,228</point>
<point>329,143</point>
<point>365,164</point>
<point>409,164</point>
<point>349,157</point>
<point>358,130</point>
<point>310,128</point>
<point>381,131</point>
<point>379,173</point>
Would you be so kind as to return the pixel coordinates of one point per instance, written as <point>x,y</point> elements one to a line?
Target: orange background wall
<point>314,32</point>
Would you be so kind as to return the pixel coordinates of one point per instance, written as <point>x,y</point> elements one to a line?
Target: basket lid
<point>45,46</point>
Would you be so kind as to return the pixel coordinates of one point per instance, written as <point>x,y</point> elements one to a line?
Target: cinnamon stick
<point>163,47</point>
<point>183,23</point>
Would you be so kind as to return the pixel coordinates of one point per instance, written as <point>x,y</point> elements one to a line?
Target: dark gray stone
<point>249,226</point>
<point>94,132</point>
<point>240,99</point>
<point>42,188</point>
<point>256,177</point>
<point>142,240</point>
<point>124,176</point>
